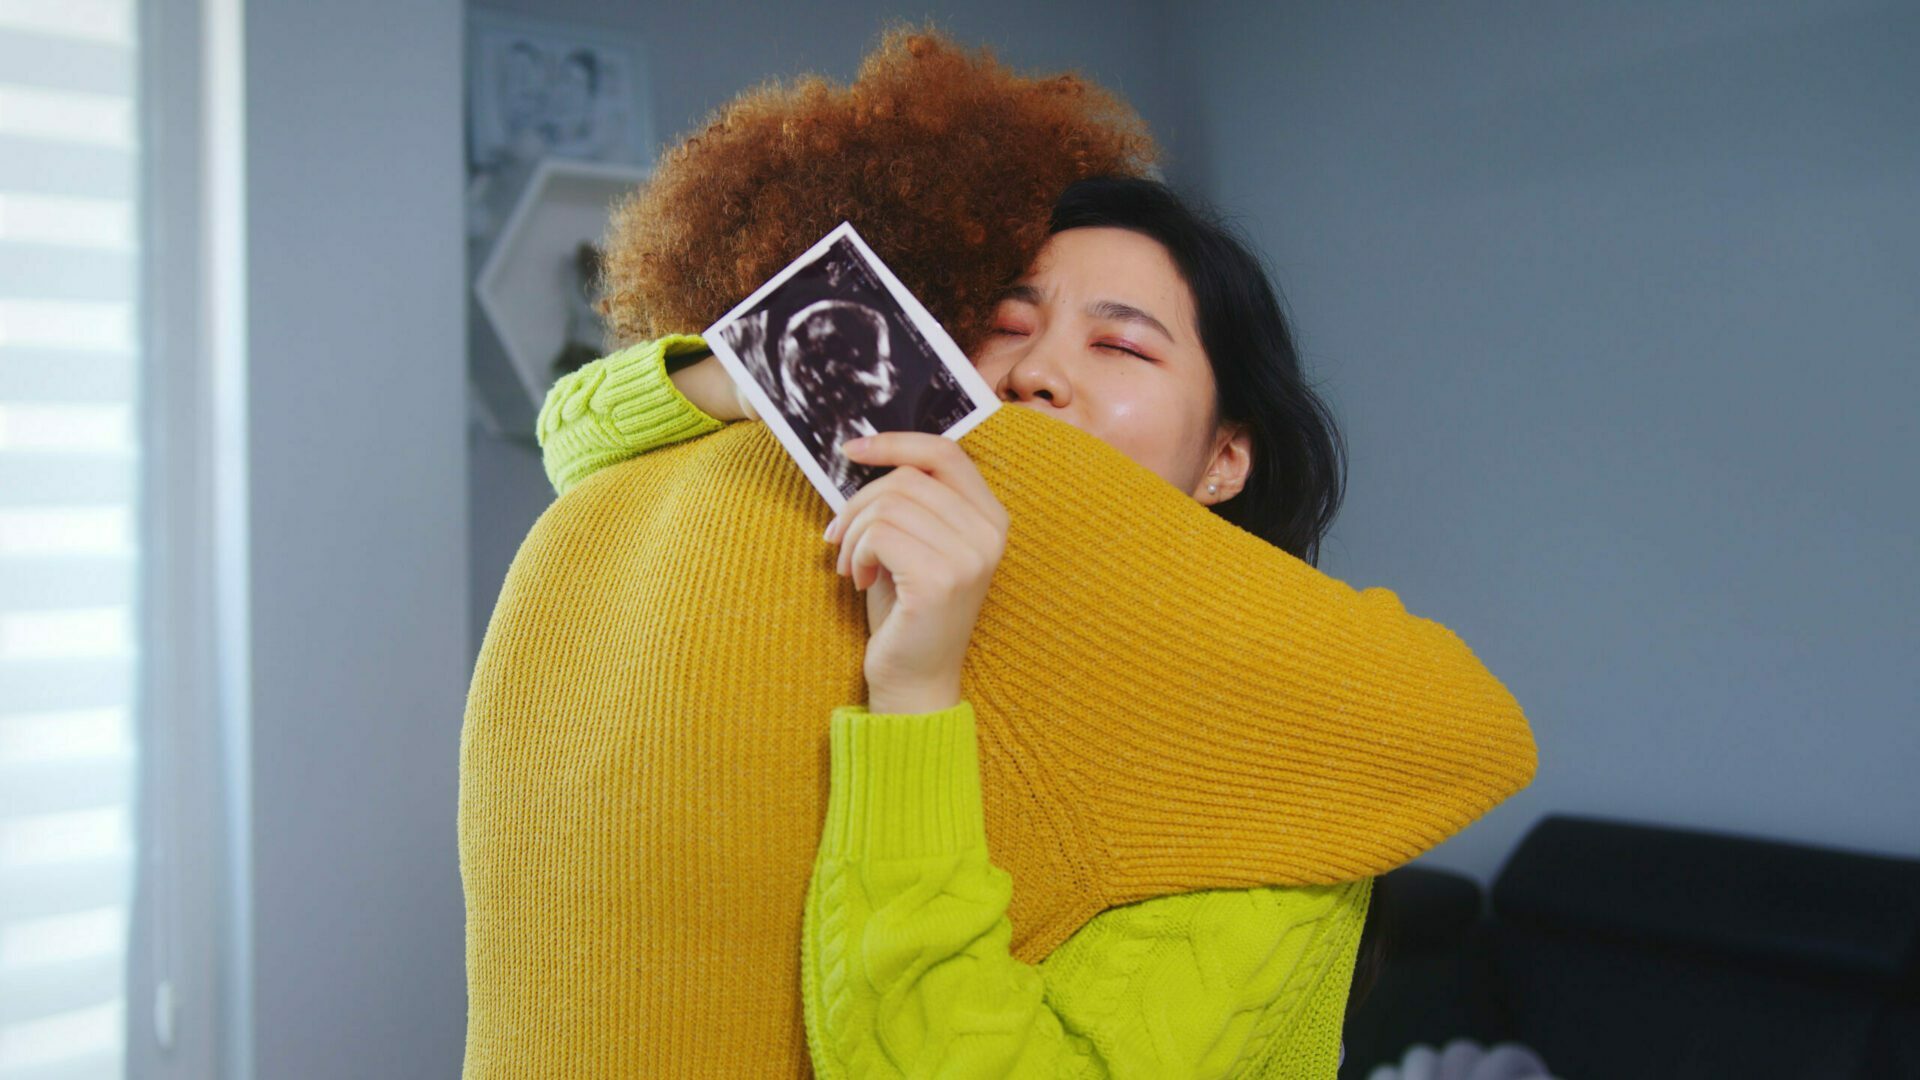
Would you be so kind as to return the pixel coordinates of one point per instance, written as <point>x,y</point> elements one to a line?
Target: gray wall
<point>1617,304</point>
<point>357,618</point>
<point>701,55</point>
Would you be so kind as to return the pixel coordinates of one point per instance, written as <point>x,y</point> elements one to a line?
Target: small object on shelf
<point>585,332</point>
<point>527,290</point>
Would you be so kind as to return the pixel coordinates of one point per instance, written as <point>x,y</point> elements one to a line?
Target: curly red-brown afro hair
<point>946,162</point>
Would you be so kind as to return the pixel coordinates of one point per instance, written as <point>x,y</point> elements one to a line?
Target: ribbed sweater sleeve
<point>905,961</point>
<point>1243,710</point>
<point>615,407</point>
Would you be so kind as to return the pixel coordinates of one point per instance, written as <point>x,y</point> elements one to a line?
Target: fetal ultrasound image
<point>840,358</point>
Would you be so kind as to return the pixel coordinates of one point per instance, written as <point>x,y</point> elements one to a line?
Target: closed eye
<point>1009,331</point>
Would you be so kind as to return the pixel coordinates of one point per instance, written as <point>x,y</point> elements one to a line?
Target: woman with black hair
<point>1152,327</point>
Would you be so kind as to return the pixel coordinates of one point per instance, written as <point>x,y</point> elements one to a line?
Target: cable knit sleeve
<point>905,966</point>
<point>616,407</point>
<point>906,970</point>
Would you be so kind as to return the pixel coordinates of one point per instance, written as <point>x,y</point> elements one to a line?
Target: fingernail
<point>854,445</point>
<point>833,527</point>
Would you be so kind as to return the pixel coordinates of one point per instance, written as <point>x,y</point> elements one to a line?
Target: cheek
<point>1146,420</point>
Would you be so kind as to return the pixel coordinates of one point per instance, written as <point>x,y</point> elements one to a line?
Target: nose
<point>1035,378</point>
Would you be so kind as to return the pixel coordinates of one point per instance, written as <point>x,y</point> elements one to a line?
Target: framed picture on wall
<point>538,88</point>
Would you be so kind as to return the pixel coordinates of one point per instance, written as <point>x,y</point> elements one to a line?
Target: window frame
<point>188,942</point>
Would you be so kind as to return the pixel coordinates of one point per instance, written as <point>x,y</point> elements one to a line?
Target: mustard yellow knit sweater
<point>1166,704</point>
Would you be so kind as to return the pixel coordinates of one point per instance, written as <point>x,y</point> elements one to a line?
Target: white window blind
<point>69,376</point>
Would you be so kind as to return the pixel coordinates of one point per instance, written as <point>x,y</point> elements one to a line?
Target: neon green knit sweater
<point>904,956</point>
<point>906,968</point>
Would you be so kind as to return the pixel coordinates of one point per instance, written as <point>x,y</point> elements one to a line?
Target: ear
<point>1227,469</point>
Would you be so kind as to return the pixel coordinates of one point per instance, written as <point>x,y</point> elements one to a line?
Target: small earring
<point>1211,488</point>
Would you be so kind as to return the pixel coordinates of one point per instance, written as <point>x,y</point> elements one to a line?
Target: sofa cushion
<point>1804,909</point>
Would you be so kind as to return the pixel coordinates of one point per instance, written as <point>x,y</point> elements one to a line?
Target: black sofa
<point>1632,951</point>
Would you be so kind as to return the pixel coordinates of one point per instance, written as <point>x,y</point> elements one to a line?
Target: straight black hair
<point>1298,476</point>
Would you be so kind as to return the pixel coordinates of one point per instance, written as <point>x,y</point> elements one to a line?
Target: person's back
<point>642,772</point>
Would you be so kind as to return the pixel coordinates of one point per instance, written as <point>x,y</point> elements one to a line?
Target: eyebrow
<point>1099,309</point>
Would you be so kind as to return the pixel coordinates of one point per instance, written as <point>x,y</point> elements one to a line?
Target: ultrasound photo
<point>833,348</point>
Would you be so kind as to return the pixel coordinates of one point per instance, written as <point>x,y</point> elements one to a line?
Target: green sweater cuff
<point>616,407</point>
<point>903,786</point>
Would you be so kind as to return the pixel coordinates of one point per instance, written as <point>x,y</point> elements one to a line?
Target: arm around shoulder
<point>1250,720</point>
<point>617,407</point>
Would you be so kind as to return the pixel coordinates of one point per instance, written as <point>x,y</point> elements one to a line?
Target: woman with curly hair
<point>1159,715</point>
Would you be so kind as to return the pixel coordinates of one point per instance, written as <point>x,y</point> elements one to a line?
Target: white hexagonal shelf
<point>523,288</point>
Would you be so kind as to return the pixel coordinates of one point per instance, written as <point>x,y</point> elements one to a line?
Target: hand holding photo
<point>832,348</point>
